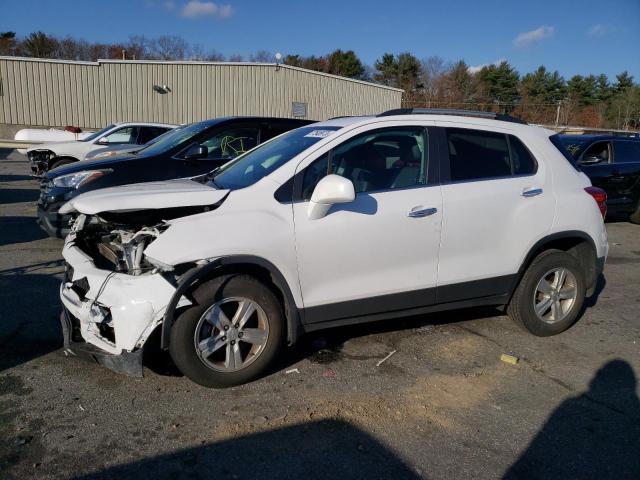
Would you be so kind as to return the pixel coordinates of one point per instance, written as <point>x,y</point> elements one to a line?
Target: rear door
<point>626,172</point>
<point>497,202</point>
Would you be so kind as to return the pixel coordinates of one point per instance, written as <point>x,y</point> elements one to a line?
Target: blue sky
<point>590,36</point>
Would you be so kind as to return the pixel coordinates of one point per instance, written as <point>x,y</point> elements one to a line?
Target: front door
<point>379,253</point>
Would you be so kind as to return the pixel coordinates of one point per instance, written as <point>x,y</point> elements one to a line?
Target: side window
<point>382,159</point>
<point>523,161</point>
<point>149,133</point>
<point>477,154</point>
<point>123,135</point>
<point>230,143</point>
<point>626,151</point>
<point>596,153</point>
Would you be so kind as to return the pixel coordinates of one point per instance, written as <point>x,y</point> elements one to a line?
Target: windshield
<point>97,134</point>
<point>560,142</point>
<point>261,161</point>
<point>573,144</point>
<point>173,138</point>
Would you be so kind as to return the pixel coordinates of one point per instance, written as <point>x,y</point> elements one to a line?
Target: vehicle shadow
<point>29,326</point>
<point>593,435</point>
<point>327,449</point>
<point>18,195</point>
<point>20,230</point>
<point>589,302</point>
<point>15,178</point>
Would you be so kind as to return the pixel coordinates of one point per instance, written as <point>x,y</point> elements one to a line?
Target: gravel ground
<point>443,406</point>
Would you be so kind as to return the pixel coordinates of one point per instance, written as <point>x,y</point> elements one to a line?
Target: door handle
<point>422,212</point>
<point>531,192</point>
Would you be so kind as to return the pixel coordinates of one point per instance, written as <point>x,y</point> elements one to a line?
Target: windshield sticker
<point>319,133</point>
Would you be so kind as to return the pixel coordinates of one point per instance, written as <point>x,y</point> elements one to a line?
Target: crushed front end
<point>39,161</point>
<point>112,297</point>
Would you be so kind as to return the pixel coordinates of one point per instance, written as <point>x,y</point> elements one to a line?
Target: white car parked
<point>345,221</point>
<point>48,156</point>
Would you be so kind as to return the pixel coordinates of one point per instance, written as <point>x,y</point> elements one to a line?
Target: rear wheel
<point>550,295</point>
<point>635,216</point>
<point>232,333</point>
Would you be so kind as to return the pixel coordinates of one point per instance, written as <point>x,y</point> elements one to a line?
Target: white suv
<point>345,221</point>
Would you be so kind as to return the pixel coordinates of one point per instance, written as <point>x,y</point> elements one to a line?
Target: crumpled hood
<point>145,196</point>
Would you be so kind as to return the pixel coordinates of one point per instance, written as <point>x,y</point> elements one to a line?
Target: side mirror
<point>103,141</point>
<point>330,190</point>
<point>590,160</point>
<point>196,152</point>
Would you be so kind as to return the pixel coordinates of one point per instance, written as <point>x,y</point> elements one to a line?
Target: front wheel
<point>230,335</point>
<point>550,295</point>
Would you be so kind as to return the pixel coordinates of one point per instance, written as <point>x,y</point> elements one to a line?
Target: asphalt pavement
<point>443,406</point>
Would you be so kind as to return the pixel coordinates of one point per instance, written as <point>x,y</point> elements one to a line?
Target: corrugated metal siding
<point>91,95</point>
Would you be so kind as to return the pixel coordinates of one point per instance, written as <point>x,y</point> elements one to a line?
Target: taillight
<point>600,196</point>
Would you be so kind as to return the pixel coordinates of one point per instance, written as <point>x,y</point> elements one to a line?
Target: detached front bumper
<point>108,316</point>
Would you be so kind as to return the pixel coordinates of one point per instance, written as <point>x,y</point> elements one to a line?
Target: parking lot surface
<point>443,405</point>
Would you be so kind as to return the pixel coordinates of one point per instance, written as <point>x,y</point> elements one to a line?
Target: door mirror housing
<point>103,141</point>
<point>331,190</point>
<point>590,160</point>
<point>196,152</point>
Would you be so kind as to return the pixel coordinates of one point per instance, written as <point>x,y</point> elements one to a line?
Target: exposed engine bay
<point>115,246</point>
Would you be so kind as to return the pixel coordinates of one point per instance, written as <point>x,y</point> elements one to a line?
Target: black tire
<point>635,216</point>
<point>60,162</point>
<point>521,307</point>
<point>182,345</point>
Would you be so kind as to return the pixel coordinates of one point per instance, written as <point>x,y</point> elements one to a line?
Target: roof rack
<point>452,111</point>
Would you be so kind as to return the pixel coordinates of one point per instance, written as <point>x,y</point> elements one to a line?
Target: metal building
<point>37,92</point>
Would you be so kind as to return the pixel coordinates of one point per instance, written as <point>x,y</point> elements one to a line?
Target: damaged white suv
<point>345,221</point>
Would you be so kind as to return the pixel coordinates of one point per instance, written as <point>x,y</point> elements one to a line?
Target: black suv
<point>187,151</point>
<point>613,164</point>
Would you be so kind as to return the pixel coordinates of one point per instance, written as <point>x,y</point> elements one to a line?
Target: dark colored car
<point>187,151</point>
<point>613,164</point>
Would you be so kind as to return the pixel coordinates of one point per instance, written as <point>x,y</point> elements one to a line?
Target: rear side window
<point>563,148</point>
<point>626,151</point>
<point>523,161</point>
<point>476,154</point>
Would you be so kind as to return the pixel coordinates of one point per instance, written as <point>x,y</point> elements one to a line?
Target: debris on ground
<point>385,358</point>
<point>511,359</point>
<point>23,440</point>
<point>81,407</point>
<point>329,373</point>
<point>293,370</point>
<point>260,420</point>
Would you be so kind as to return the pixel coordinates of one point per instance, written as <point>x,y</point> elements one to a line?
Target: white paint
<point>142,196</point>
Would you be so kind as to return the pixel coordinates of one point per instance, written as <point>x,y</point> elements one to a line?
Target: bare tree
<point>262,56</point>
<point>169,47</point>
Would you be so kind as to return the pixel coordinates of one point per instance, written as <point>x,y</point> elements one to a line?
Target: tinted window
<point>149,133</point>
<point>626,151</point>
<point>559,142</point>
<point>378,160</point>
<point>475,154</point>
<point>230,143</point>
<point>598,152</point>
<point>523,161</point>
<point>97,134</point>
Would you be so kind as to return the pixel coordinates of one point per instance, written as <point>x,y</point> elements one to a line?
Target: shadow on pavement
<point>15,178</point>
<point>18,195</point>
<point>593,435</point>
<point>315,450</point>
<point>20,230</point>
<point>29,326</point>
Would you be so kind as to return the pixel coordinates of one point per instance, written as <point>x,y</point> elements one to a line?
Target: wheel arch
<point>259,267</point>
<point>57,158</point>
<point>575,242</point>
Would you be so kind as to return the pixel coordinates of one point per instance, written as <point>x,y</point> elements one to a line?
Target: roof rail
<point>452,111</point>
